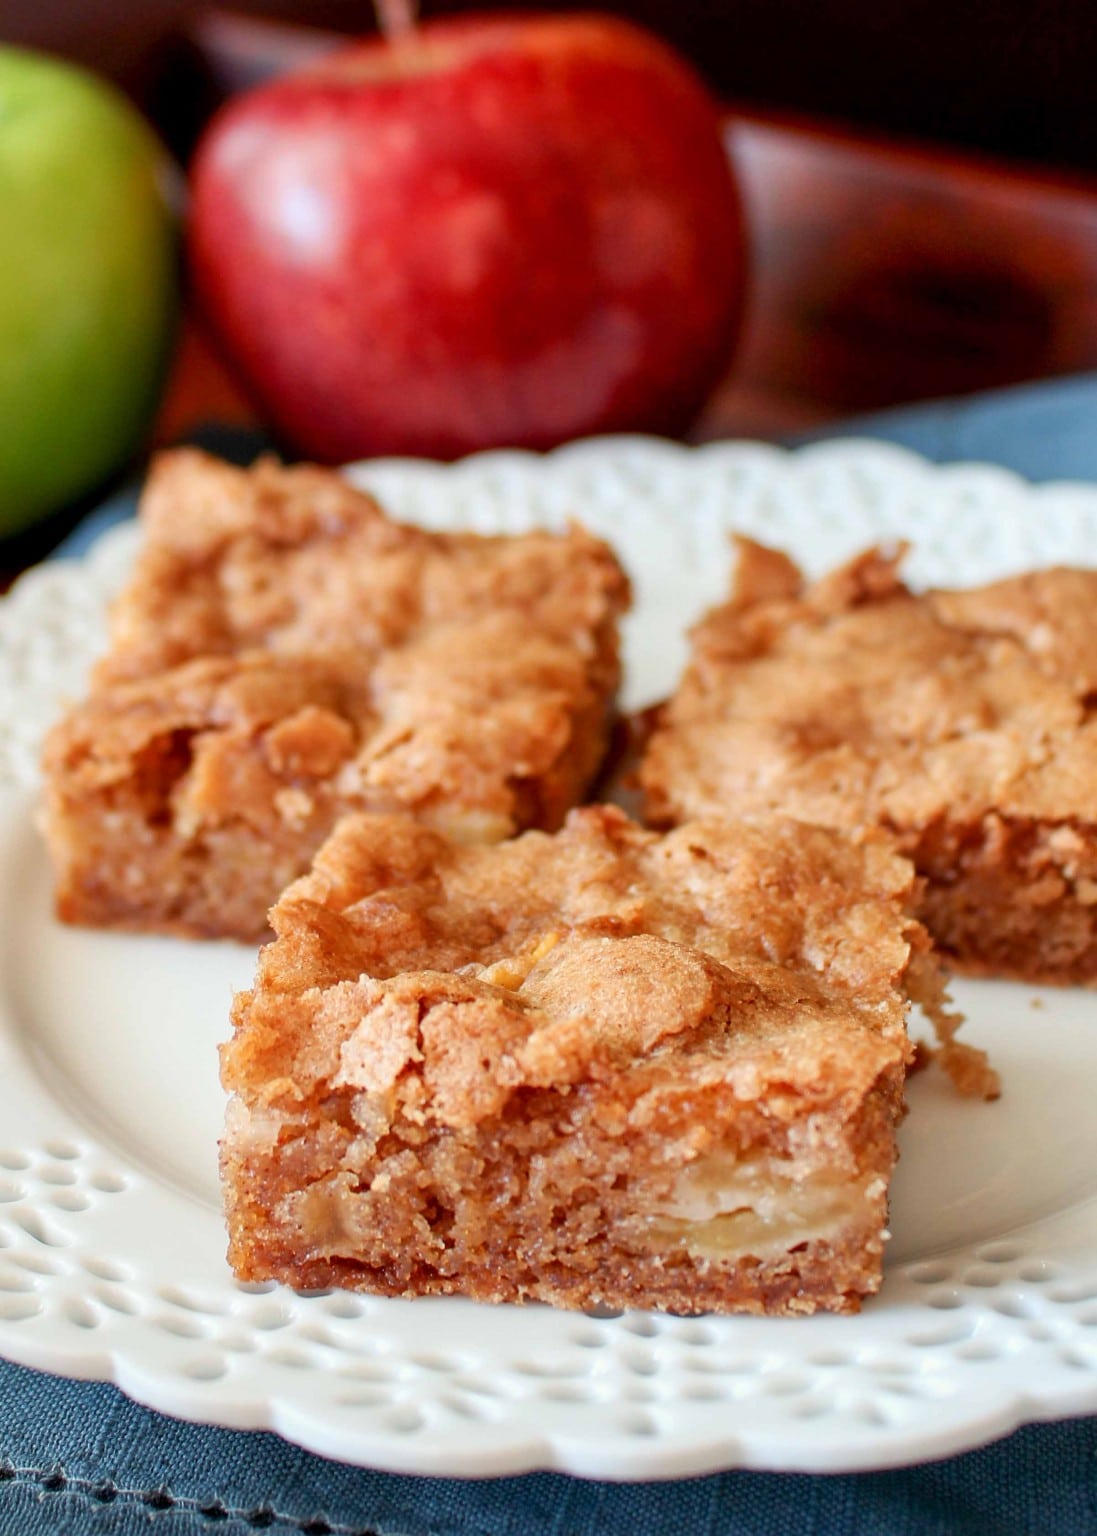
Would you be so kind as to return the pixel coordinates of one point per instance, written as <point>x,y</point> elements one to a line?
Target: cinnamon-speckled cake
<point>285,653</point>
<point>603,1066</point>
<point>963,722</point>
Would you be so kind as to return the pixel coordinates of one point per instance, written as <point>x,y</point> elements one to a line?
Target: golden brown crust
<point>285,653</point>
<point>802,896</point>
<point>487,1070</point>
<point>961,721</point>
<point>296,561</point>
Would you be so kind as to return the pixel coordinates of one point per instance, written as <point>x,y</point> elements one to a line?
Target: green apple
<point>87,282</point>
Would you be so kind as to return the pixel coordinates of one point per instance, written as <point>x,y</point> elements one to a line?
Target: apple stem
<point>396,18</point>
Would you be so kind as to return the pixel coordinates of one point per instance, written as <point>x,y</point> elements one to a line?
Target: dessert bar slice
<point>604,1066</point>
<point>285,653</point>
<point>961,721</point>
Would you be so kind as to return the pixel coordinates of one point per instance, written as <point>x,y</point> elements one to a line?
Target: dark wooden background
<point>1013,77</point>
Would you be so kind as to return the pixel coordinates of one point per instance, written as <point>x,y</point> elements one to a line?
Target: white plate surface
<point>111,1243</point>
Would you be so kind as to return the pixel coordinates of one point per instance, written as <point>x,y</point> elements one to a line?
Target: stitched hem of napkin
<point>100,1492</point>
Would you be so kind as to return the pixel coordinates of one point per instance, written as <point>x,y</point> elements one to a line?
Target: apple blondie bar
<point>604,1066</point>
<point>284,653</point>
<point>962,721</point>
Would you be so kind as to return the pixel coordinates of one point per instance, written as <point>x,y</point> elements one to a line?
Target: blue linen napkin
<point>78,1457</point>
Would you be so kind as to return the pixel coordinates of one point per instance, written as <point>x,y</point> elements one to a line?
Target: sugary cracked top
<point>438,979</point>
<point>854,700</point>
<point>279,630</point>
<point>296,561</point>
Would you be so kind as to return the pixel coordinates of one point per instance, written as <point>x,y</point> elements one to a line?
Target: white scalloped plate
<point>111,1245</point>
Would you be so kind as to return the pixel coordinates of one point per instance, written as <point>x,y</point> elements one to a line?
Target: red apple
<point>494,231</point>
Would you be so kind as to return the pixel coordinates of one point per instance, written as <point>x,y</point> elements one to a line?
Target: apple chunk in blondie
<point>601,1066</point>
<point>962,721</point>
<point>285,653</point>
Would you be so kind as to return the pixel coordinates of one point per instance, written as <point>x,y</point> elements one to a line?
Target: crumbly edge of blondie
<point>998,818</point>
<point>383,1129</point>
<point>1012,897</point>
<point>186,803</point>
<point>477,693</point>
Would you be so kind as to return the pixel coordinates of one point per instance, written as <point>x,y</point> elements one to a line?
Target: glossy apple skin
<point>88,279</point>
<point>514,232</point>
